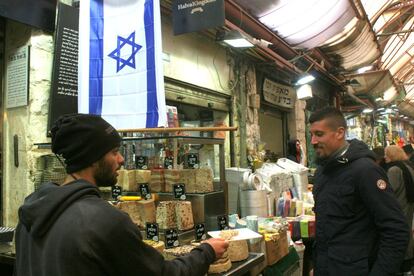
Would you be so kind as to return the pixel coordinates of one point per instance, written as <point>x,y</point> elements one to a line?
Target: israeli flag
<point>120,62</point>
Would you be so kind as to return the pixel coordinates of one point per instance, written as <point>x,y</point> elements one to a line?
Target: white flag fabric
<point>120,62</point>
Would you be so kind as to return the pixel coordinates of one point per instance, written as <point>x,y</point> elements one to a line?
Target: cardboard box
<point>277,247</point>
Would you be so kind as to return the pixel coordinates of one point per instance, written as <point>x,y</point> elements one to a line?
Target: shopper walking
<point>360,227</point>
<point>401,176</point>
<point>70,230</point>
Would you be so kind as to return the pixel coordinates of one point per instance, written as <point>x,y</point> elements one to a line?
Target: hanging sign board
<point>192,16</point>
<point>64,92</point>
<point>17,78</point>
<point>278,94</point>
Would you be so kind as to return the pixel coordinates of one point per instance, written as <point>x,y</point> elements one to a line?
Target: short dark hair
<point>335,117</point>
<point>379,152</point>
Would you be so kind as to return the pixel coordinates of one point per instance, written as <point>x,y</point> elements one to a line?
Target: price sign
<point>192,161</point>
<point>145,191</point>
<point>171,238</point>
<point>200,232</point>
<point>222,223</point>
<point>179,191</point>
<point>116,191</point>
<point>168,162</point>
<point>152,231</point>
<point>141,162</point>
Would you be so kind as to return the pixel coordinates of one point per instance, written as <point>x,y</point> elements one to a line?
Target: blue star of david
<point>116,54</point>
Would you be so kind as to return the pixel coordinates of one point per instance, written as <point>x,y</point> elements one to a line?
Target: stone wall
<point>27,122</point>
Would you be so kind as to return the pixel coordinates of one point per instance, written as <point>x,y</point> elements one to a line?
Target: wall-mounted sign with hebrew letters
<point>278,94</point>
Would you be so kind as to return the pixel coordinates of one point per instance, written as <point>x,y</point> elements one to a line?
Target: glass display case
<point>196,162</point>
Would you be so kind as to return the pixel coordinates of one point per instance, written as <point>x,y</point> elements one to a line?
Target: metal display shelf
<point>240,268</point>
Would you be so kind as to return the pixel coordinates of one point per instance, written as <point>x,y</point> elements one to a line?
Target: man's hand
<point>219,246</point>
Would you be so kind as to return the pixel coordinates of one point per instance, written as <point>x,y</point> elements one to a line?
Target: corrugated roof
<point>354,32</point>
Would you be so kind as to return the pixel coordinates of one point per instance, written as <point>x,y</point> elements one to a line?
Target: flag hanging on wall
<point>120,62</point>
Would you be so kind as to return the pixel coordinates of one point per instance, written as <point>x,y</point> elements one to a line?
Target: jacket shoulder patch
<point>381,184</point>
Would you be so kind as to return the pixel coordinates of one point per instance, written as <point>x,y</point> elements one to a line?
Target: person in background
<point>379,157</point>
<point>401,176</point>
<point>68,229</point>
<point>295,152</point>
<point>408,149</point>
<point>360,227</point>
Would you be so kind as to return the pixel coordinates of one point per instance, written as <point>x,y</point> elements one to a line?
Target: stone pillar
<point>297,124</point>
<point>27,122</point>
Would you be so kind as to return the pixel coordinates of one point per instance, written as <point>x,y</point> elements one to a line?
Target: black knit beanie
<point>82,139</point>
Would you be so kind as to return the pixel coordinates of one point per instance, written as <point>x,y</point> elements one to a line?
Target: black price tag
<point>141,162</point>
<point>222,223</point>
<point>145,191</point>
<point>169,162</point>
<point>192,161</point>
<point>116,191</point>
<point>152,231</point>
<point>200,232</point>
<point>179,191</point>
<point>171,238</point>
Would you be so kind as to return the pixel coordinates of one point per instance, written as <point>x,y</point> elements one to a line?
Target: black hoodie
<point>360,228</point>
<point>69,230</point>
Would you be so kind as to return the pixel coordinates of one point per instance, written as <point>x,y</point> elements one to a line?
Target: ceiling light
<point>304,92</point>
<point>364,69</point>
<point>381,108</point>
<point>304,79</point>
<point>378,99</point>
<point>235,39</point>
<point>367,110</point>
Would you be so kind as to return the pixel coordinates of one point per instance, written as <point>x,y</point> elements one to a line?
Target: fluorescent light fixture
<point>305,79</point>
<point>235,39</point>
<point>394,105</point>
<point>304,92</point>
<point>367,110</point>
<point>378,99</point>
<point>238,43</point>
<point>364,69</point>
<point>381,108</point>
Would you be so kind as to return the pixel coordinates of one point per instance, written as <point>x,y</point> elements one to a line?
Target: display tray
<point>240,268</point>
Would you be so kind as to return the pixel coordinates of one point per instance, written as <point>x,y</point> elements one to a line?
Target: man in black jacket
<point>360,228</point>
<point>70,230</point>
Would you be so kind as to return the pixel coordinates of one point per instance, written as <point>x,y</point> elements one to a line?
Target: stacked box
<point>140,212</point>
<point>277,247</point>
<point>157,183</point>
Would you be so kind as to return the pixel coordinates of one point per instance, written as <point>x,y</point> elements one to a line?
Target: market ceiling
<point>352,34</point>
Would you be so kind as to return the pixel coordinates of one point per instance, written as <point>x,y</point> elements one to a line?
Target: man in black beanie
<point>68,229</point>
